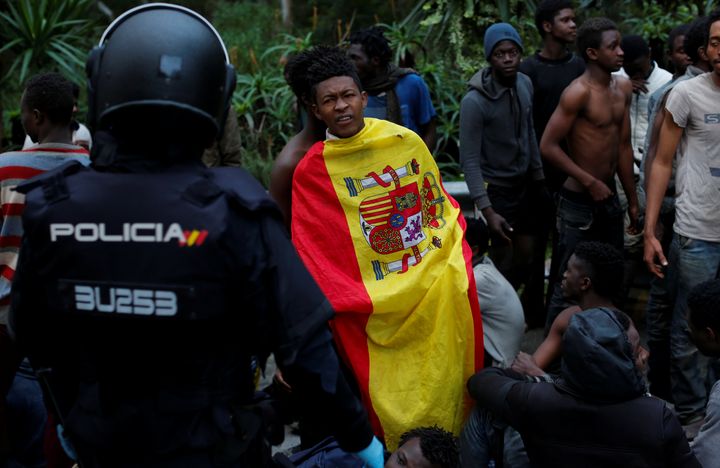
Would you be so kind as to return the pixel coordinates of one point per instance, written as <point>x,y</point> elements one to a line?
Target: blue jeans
<point>580,219</point>
<point>695,261</point>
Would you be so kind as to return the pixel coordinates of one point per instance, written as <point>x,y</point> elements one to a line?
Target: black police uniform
<point>147,288</point>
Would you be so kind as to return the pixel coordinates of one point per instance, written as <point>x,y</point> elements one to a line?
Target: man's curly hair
<point>326,64</point>
<point>438,446</point>
<point>374,43</point>
<point>605,266</point>
<point>695,38</point>
<point>589,35</point>
<point>296,69</point>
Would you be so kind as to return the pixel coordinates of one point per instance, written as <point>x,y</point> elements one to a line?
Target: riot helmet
<point>164,61</point>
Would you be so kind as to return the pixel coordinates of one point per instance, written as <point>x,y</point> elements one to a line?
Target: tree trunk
<point>286,9</point>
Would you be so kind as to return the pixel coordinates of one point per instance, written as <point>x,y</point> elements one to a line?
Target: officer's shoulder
<point>243,188</point>
<point>52,176</point>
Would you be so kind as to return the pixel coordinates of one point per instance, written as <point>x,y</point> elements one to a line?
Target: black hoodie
<point>497,137</point>
<point>597,414</point>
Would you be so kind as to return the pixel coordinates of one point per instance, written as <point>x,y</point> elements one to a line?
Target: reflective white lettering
<point>126,301</point>
<point>60,229</point>
<point>136,237</point>
<point>105,237</point>
<point>84,298</point>
<point>86,232</point>
<point>174,232</point>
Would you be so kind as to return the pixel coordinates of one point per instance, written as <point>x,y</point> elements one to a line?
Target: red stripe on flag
<point>7,272</point>
<point>472,290</point>
<point>318,219</point>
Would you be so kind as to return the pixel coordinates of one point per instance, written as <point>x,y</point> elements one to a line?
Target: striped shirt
<point>15,168</point>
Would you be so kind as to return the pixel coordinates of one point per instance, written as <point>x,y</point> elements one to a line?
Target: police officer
<point>147,282</point>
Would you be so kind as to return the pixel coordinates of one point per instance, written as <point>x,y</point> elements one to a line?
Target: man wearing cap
<point>500,156</point>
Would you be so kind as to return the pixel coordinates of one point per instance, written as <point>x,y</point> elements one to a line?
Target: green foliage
<point>654,20</point>
<point>45,35</point>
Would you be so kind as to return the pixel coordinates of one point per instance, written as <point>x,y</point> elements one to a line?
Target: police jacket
<point>147,288</point>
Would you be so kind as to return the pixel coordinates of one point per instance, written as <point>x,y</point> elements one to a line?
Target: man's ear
<point>38,117</point>
<point>364,99</point>
<point>591,53</point>
<point>711,334</point>
<point>547,26</point>
<point>314,109</point>
<point>586,283</point>
<point>375,61</point>
<point>702,53</point>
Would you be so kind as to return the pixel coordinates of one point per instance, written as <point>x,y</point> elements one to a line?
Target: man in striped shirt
<point>46,112</point>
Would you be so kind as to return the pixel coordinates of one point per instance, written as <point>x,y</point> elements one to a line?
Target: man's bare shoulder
<point>623,84</point>
<point>293,151</point>
<point>576,94</point>
<point>563,319</point>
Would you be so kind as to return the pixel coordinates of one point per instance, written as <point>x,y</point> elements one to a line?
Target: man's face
<point>363,63</point>
<point>575,279</point>
<point>638,68</point>
<point>677,55</point>
<point>28,118</point>
<point>705,339</point>
<point>409,455</point>
<point>610,55</point>
<point>639,352</point>
<point>713,47</point>
<point>340,104</point>
<point>505,59</point>
<point>563,27</point>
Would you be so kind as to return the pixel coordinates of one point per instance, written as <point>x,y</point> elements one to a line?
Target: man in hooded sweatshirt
<point>500,157</point>
<point>597,414</point>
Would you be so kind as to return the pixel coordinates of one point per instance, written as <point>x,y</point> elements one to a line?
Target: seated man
<point>597,414</point>
<point>385,242</point>
<point>502,317</point>
<point>591,279</point>
<point>704,321</point>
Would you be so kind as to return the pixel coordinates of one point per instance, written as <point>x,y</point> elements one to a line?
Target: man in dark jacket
<point>501,161</point>
<point>597,413</point>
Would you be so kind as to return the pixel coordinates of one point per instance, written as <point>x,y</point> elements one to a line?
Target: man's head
<point>426,447</point>
<point>296,70</point>
<point>696,41</point>
<point>503,50</point>
<point>598,41</point>
<point>477,236</point>
<point>336,94</point>
<point>603,359</point>
<point>637,62</point>
<point>47,104</point>
<point>676,49</point>
<point>556,19</point>
<point>712,48</point>
<point>370,51</point>
<point>704,317</point>
<point>594,268</point>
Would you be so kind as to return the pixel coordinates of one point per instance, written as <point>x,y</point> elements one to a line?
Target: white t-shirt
<point>695,106</point>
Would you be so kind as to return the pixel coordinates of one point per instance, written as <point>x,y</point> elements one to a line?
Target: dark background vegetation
<point>442,39</point>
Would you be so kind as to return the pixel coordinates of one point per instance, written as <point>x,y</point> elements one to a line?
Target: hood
<point>484,83</point>
<point>598,362</point>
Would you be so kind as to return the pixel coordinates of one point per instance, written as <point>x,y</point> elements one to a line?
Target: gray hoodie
<point>497,136</point>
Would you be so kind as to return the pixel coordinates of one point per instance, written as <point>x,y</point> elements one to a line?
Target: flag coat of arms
<point>385,242</point>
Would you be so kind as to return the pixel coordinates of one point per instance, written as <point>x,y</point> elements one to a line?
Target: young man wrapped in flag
<point>384,240</point>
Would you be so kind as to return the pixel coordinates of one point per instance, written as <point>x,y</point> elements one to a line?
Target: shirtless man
<point>313,129</point>
<point>593,117</point>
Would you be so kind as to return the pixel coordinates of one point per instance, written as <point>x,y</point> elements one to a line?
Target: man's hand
<point>598,190</point>
<point>633,212</point>
<point>497,225</point>
<point>653,250</point>
<point>525,364</point>
<point>639,86</point>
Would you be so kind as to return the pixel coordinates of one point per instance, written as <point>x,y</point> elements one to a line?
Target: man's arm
<point>471,134</point>
<point>660,172</point>
<point>626,161</point>
<point>572,102</point>
<point>281,178</point>
<point>551,348</point>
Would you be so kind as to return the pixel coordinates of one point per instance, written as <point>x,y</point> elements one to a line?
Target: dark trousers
<point>581,219</point>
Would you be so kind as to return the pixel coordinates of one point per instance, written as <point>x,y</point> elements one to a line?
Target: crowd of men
<point>146,283</point>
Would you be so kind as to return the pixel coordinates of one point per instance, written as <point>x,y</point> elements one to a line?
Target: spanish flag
<point>383,239</point>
